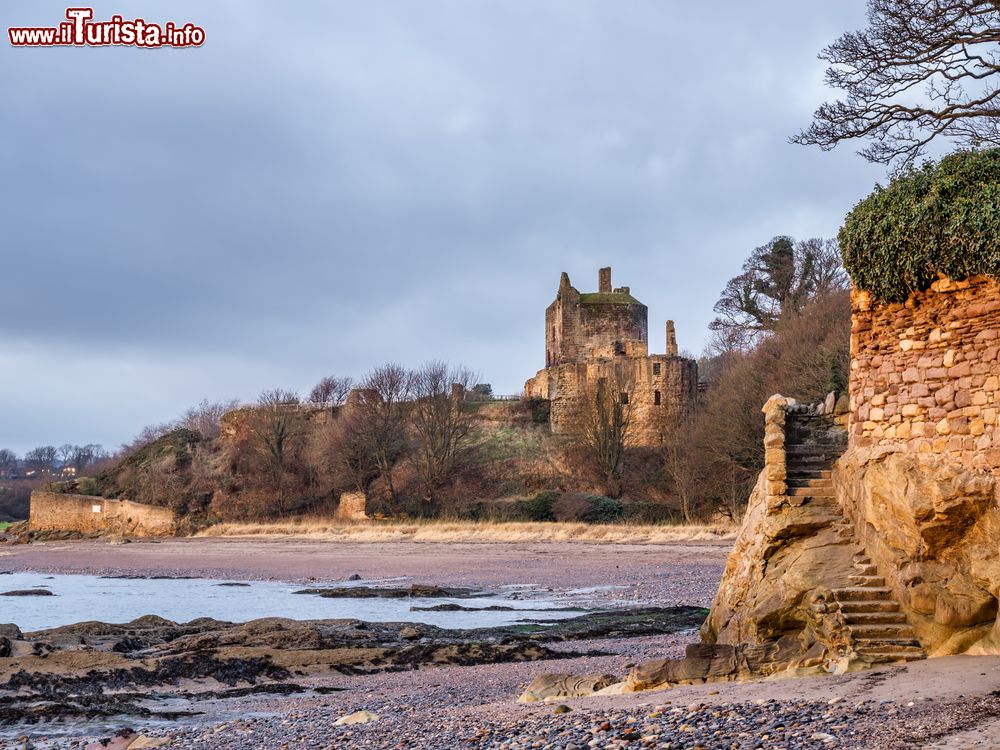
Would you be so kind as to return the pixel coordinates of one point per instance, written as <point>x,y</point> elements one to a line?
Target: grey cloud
<point>325,186</point>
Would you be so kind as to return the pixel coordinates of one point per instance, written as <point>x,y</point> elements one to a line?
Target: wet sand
<point>659,574</point>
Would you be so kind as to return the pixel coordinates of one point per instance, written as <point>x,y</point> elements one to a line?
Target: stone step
<point>851,608</point>
<point>886,657</point>
<point>867,580</point>
<point>795,457</point>
<point>862,559</point>
<point>820,447</point>
<point>805,474</point>
<point>904,646</point>
<point>796,466</point>
<point>819,484</point>
<point>809,492</point>
<point>894,617</point>
<point>863,594</point>
<point>866,569</point>
<point>882,631</point>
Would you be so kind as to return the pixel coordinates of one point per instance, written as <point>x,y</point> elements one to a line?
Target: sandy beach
<point>943,703</point>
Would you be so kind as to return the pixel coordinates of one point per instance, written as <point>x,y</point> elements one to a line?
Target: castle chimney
<point>604,280</point>
<point>671,339</point>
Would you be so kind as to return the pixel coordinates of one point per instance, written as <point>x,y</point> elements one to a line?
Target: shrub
<point>575,506</point>
<point>604,510</point>
<point>539,507</point>
<point>941,218</point>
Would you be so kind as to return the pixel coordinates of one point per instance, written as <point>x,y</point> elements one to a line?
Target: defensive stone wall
<point>51,511</point>
<point>659,388</point>
<point>924,373</point>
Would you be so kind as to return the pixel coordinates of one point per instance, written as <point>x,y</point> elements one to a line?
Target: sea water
<point>118,600</point>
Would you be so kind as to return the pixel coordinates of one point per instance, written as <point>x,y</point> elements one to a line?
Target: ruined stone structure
<point>52,511</point>
<point>603,335</point>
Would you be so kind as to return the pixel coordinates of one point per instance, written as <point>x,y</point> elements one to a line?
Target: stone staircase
<point>878,628</point>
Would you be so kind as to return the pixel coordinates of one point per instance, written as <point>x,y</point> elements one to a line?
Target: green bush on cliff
<point>941,218</point>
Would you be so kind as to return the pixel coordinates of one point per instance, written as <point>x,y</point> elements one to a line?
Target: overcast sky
<point>325,186</point>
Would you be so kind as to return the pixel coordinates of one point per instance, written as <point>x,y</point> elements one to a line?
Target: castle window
<point>624,397</point>
<point>656,370</point>
<point>656,398</point>
<point>619,349</point>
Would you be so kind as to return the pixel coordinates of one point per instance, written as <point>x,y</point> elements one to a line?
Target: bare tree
<point>83,456</point>
<point>778,279</point>
<point>348,452</point>
<point>383,409</point>
<point>206,417</point>
<point>682,465</point>
<point>66,452</point>
<point>278,424</point>
<point>443,429</point>
<point>922,69</point>
<point>41,459</point>
<point>607,428</point>
<point>331,391</point>
<point>8,462</point>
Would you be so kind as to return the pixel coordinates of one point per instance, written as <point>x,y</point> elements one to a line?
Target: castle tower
<point>671,339</point>
<point>603,335</point>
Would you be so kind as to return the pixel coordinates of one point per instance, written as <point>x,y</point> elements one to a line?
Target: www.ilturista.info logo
<point>80,30</point>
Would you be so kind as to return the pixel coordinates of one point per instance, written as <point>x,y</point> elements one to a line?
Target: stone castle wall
<point>581,327</point>
<point>51,511</point>
<point>660,388</point>
<point>924,373</point>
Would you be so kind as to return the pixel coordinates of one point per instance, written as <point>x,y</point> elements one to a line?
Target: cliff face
<point>932,529</point>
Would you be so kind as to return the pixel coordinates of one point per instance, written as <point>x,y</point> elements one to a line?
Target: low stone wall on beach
<point>52,511</point>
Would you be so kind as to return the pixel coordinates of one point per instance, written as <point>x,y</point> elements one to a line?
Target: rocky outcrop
<point>931,527</point>
<point>800,593</point>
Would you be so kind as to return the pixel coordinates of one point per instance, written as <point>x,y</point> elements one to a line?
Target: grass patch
<point>4,525</point>
<point>613,298</point>
<point>477,531</point>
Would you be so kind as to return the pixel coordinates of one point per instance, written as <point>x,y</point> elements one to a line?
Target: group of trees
<point>294,455</point>
<point>46,460</point>
<point>788,333</point>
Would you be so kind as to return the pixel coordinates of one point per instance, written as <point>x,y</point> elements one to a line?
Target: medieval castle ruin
<point>604,335</point>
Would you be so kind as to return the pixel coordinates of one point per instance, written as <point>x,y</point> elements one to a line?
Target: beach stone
<point>142,741</point>
<point>358,717</point>
<point>548,686</point>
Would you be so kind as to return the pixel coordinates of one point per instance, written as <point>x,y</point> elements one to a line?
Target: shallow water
<point>83,597</point>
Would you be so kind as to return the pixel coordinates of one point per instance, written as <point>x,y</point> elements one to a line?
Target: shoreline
<point>691,568</point>
<point>440,707</point>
